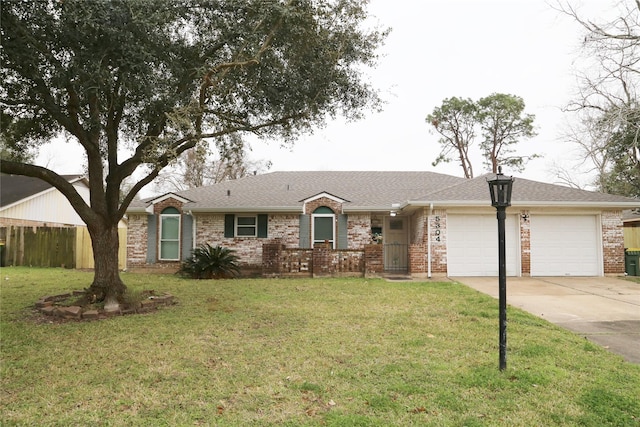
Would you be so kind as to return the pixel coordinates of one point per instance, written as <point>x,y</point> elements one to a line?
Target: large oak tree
<point>138,82</point>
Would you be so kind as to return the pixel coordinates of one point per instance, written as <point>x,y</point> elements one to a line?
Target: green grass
<point>334,352</point>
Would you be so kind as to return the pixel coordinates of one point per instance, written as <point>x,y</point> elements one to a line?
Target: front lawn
<point>321,352</point>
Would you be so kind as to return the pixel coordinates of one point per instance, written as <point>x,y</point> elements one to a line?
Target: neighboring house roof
<point>374,191</point>
<point>631,216</point>
<point>15,188</point>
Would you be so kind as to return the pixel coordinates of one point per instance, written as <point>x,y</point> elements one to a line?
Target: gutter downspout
<point>429,240</point>
<point>193,231</point>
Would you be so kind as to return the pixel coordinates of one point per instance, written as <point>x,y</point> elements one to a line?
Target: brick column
<point>438,224</point>
<point>373,262</point>
<point>322,260</point>
<point>271,255</point>
<point>417,258</point>
<point>612,242</point>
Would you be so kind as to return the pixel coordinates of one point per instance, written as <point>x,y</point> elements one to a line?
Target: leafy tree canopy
<point>138,82</point>
<point>504,124</point>
<point>499,118</point>
<point>455,121</point>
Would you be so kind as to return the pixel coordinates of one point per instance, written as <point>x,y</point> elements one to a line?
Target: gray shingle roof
<point>281,191</point>
<point>14,188</point>
<point>524,192</point>
<point>631,215</point>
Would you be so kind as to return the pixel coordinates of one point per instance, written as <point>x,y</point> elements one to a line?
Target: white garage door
<point>565,245</point>
<point>472,245</point>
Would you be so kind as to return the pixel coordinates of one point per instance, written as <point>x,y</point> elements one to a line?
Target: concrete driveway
<point>605,310</point>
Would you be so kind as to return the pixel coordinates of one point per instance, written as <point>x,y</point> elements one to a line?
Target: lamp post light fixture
<point>500,189</point>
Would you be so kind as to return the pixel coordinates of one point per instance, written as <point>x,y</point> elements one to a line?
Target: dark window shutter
<point>305,231</point>
<point>152,239</point>
<point>262,225</point>
<point>342,231</point>
<point>187,236</point>
<point>229,225</point>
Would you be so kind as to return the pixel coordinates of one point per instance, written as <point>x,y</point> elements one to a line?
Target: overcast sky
<point>438,49</point>
<point>443,48</point>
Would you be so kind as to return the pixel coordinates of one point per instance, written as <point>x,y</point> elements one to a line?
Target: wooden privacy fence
<point>631,237</point>
<point>68,247</point>
<point>84,252</point>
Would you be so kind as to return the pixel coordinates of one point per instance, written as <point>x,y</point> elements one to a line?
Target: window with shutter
<point>246,225</point>
<point>170,234</point>
<point>323,226</point>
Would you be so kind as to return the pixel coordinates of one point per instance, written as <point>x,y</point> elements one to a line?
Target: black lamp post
<point>500,189</point>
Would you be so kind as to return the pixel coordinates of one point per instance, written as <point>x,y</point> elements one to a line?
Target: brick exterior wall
<point>421,225</point>
<point>525,243</point>
<point>283,229</point>
<point>373,261</point>
<point>612,242</point>
<point>311,206</point>
<point>358,231</point>
<point>167,203</point>
<point>418,242</point>
<point>438,225</point>
<point>418,227</point>
<point>137,240</point>
<point>210,229</point>
<point>417,258</point>
<point>271,261</point>
<point>321,261</point>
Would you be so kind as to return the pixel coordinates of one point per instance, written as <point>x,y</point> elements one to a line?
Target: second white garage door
<point>472,245</point>
<point>565,245</point>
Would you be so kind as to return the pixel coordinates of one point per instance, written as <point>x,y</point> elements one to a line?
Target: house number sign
<point>437,228</point>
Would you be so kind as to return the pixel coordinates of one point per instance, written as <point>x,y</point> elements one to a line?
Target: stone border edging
<point>47,306</point>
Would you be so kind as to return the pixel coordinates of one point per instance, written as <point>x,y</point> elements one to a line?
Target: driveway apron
<point>605,310</point>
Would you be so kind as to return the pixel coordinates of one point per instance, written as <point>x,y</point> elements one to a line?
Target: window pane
<point>169,250</point>
<point>395,224</point>
<point>323,228</point>
<point>323,210</point>
<point>246,231</point>
<point>246,220</point>
<point>170,227</point>
<point>170,210</point>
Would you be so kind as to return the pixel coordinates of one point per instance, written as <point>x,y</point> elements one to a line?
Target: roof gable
<point>326,195</point>
<point>17,188</point>
<point>168,196</point>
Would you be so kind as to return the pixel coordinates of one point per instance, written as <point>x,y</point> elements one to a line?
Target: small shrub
<point>211,262</point>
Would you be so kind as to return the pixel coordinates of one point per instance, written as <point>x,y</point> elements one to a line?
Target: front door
<point>395,238</point>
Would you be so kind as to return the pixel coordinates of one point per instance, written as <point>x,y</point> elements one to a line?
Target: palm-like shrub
<point>211,262</point>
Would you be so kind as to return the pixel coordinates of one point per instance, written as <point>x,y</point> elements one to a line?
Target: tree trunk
<point>107,285</point>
